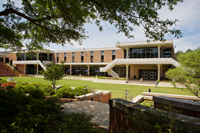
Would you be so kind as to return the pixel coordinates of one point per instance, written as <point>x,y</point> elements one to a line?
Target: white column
<point>88,66</point>
<point>127,73</point>
<point>4,60</point>
<point>37,56</point>
<point>37,69</point>
<point>159,71</point>
<point>70,69</point>
<point>133,71</point>
<point>48,59</point>
<point>24,68</point>
<point>158,51</point>
<point>127,52</point>
<point>24,57</point>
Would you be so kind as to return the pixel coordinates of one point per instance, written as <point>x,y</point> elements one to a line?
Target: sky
<point>187,12</point>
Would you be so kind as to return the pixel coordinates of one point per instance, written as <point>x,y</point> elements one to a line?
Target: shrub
<point>19,113</point>
<point>47,89</point>
<point>64,92</point>
<point>23,82</point>
<point>36,93</point>
<point>101,77</point>
<point>80,90</point>
<point>37,85</point>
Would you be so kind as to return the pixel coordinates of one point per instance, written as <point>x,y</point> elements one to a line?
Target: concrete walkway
<point>98,109</point>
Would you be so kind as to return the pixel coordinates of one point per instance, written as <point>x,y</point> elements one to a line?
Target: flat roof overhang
<point>124,45</point>
<point>84,63</point>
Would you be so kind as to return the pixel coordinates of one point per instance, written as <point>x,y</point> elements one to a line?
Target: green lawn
<point>116,89</point>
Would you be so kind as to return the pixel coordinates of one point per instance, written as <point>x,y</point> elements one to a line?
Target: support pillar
<point>158,71</point>
<point>4,60</point>
<point>24,57</point>
<point>88,69</point>
<point>158,51</point>
<point>48,59</point>
<point>133,72</point>
<point>127,73</point>
<point>36,68</point>
<point>161,70</point>
<point>37,56</point>
<point>127,49</point>
<point>70,69</point>
<point>24,68</point>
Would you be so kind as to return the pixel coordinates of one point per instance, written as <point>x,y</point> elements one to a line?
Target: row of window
<point>82,56</point>
<point>33,56</point>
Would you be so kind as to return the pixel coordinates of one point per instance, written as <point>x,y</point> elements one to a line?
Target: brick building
<point>134,60</point>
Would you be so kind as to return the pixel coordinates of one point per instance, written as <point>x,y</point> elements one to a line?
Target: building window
<point>20,57</point>
<point>91,56</point>
<point>113,54</point>
<point>73,56</point>
<point>65,57</point>
<point>82,56</point>
<point>43,57</point>
<point>57,57</point>
<point>102,56</point>
<point>147,52</point>
<point>50,57</point>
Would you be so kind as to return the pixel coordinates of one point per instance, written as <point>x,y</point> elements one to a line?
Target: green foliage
<point>147,103</point>
<point>54,73</point>
<point>23,86</point>
<point>37,93</point>
<point>45,22</point>
<point>37,85</point>
<point>159,121</point>
<point>47,89</point>
<point>64,92</point>
<point>20,113</point>
<point>188,74</point>
<point>101,77</point>
<point>80,90</point>
<point>3,81</point>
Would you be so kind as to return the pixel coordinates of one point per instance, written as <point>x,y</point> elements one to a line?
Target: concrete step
<point>138,99</point>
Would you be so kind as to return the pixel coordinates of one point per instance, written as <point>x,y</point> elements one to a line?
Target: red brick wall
<point>13,56</point>
<point>117,120</point>
<point>61,57</point>
<point>119,54</point>
<point>105,98</point>
<point>3,71</point>
<point>20,68</point>
<point>108,56</point>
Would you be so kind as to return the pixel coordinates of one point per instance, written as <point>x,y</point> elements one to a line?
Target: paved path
<point>98,109</point>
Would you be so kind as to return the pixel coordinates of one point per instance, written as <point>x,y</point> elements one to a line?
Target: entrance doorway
<point>147,74</point>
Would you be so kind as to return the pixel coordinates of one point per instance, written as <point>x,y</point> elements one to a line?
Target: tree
<point>54,73</point>
<point>188,74</point>
<point>177,54</point>
<point>41,22</point>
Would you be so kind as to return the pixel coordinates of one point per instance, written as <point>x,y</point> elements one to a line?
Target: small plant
<point>80,90</point>
<point>64,92</point>
<point>36,93</point>
<point>47,89</point>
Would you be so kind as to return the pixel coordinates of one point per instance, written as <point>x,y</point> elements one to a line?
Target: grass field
<point>116,89</point>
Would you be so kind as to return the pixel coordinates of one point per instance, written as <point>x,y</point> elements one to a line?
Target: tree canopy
<point>39,22</point>
<point>188,74</point>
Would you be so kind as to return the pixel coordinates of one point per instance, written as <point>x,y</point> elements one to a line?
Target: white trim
<point>84,63</point>
<point>90,49</point>
<point>168,43</point>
